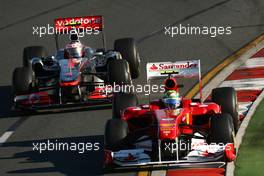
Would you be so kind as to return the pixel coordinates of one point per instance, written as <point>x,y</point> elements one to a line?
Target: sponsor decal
<point>178,69</point>
<point>91,22</point>
<point>153,67</point>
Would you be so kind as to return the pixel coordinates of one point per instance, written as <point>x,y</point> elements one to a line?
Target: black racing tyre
<point>128,49</point>
<point>33,51</point>
<point>115,132</point>
<point>121,101</point>
<point>118,72</point>
<point>22,80</point>
<point>167,154</point>
<point>226,98</point>
<point>221,129</point>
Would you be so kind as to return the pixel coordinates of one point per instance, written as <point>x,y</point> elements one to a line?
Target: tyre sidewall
<point>226,98</point>
<point>22,80</point>
<point>118,72</point>
<point>221,129</point>
<point>31,52</point>
<point>115,131</point>
<point>128,49</point>
<point>121,101</point>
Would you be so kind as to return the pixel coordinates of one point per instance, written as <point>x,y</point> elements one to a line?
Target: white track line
<point>243,107</point>
<point>245,84</point>
<point>5,136</point>
<point>8,133</point>
<point>253,63</point>
<point>248,87</point>
<point>248,81</point>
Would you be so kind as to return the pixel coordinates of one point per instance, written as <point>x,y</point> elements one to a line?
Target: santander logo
<point>166,66</point>
<point>153,67</point>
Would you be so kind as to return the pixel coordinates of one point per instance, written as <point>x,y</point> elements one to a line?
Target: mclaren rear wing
<point>71,25</point>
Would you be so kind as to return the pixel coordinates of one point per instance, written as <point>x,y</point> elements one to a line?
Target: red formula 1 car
<point>76,75</point>
<point>193,133</point>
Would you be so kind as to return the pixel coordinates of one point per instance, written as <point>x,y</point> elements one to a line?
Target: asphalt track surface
<point>143,20</point>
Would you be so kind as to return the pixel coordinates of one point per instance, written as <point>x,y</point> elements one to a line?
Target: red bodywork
<point>170,123</point>
<point>158,122</point>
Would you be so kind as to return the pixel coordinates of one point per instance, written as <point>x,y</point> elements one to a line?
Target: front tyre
<point>115,132</point>
<point>226,98</point>
<point>221,130</point>
<point>22,81</point>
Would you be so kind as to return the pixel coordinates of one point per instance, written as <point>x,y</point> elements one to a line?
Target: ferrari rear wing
<point>69,25</point>
<point>178,69</point>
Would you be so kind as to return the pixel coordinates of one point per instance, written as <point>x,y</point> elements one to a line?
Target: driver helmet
<point>172,99</point>
<point>74,50</point>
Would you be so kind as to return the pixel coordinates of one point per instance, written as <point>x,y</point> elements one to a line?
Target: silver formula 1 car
<point>76,74</point>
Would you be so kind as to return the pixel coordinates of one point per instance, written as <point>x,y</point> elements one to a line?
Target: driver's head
<point>172,99</point>
<point>74,50</point>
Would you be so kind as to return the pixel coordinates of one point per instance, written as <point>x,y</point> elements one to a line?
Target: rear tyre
<point>128,49</point>
<point>121,101</point>
<point>22,80</point>
<point>118,72</point>
<point>226,98</point>
<point>31,52</point>
<point>115,132</point>
<point>222,129</point>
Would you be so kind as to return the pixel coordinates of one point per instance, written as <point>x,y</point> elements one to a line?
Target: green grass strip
<point>250,161</point>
